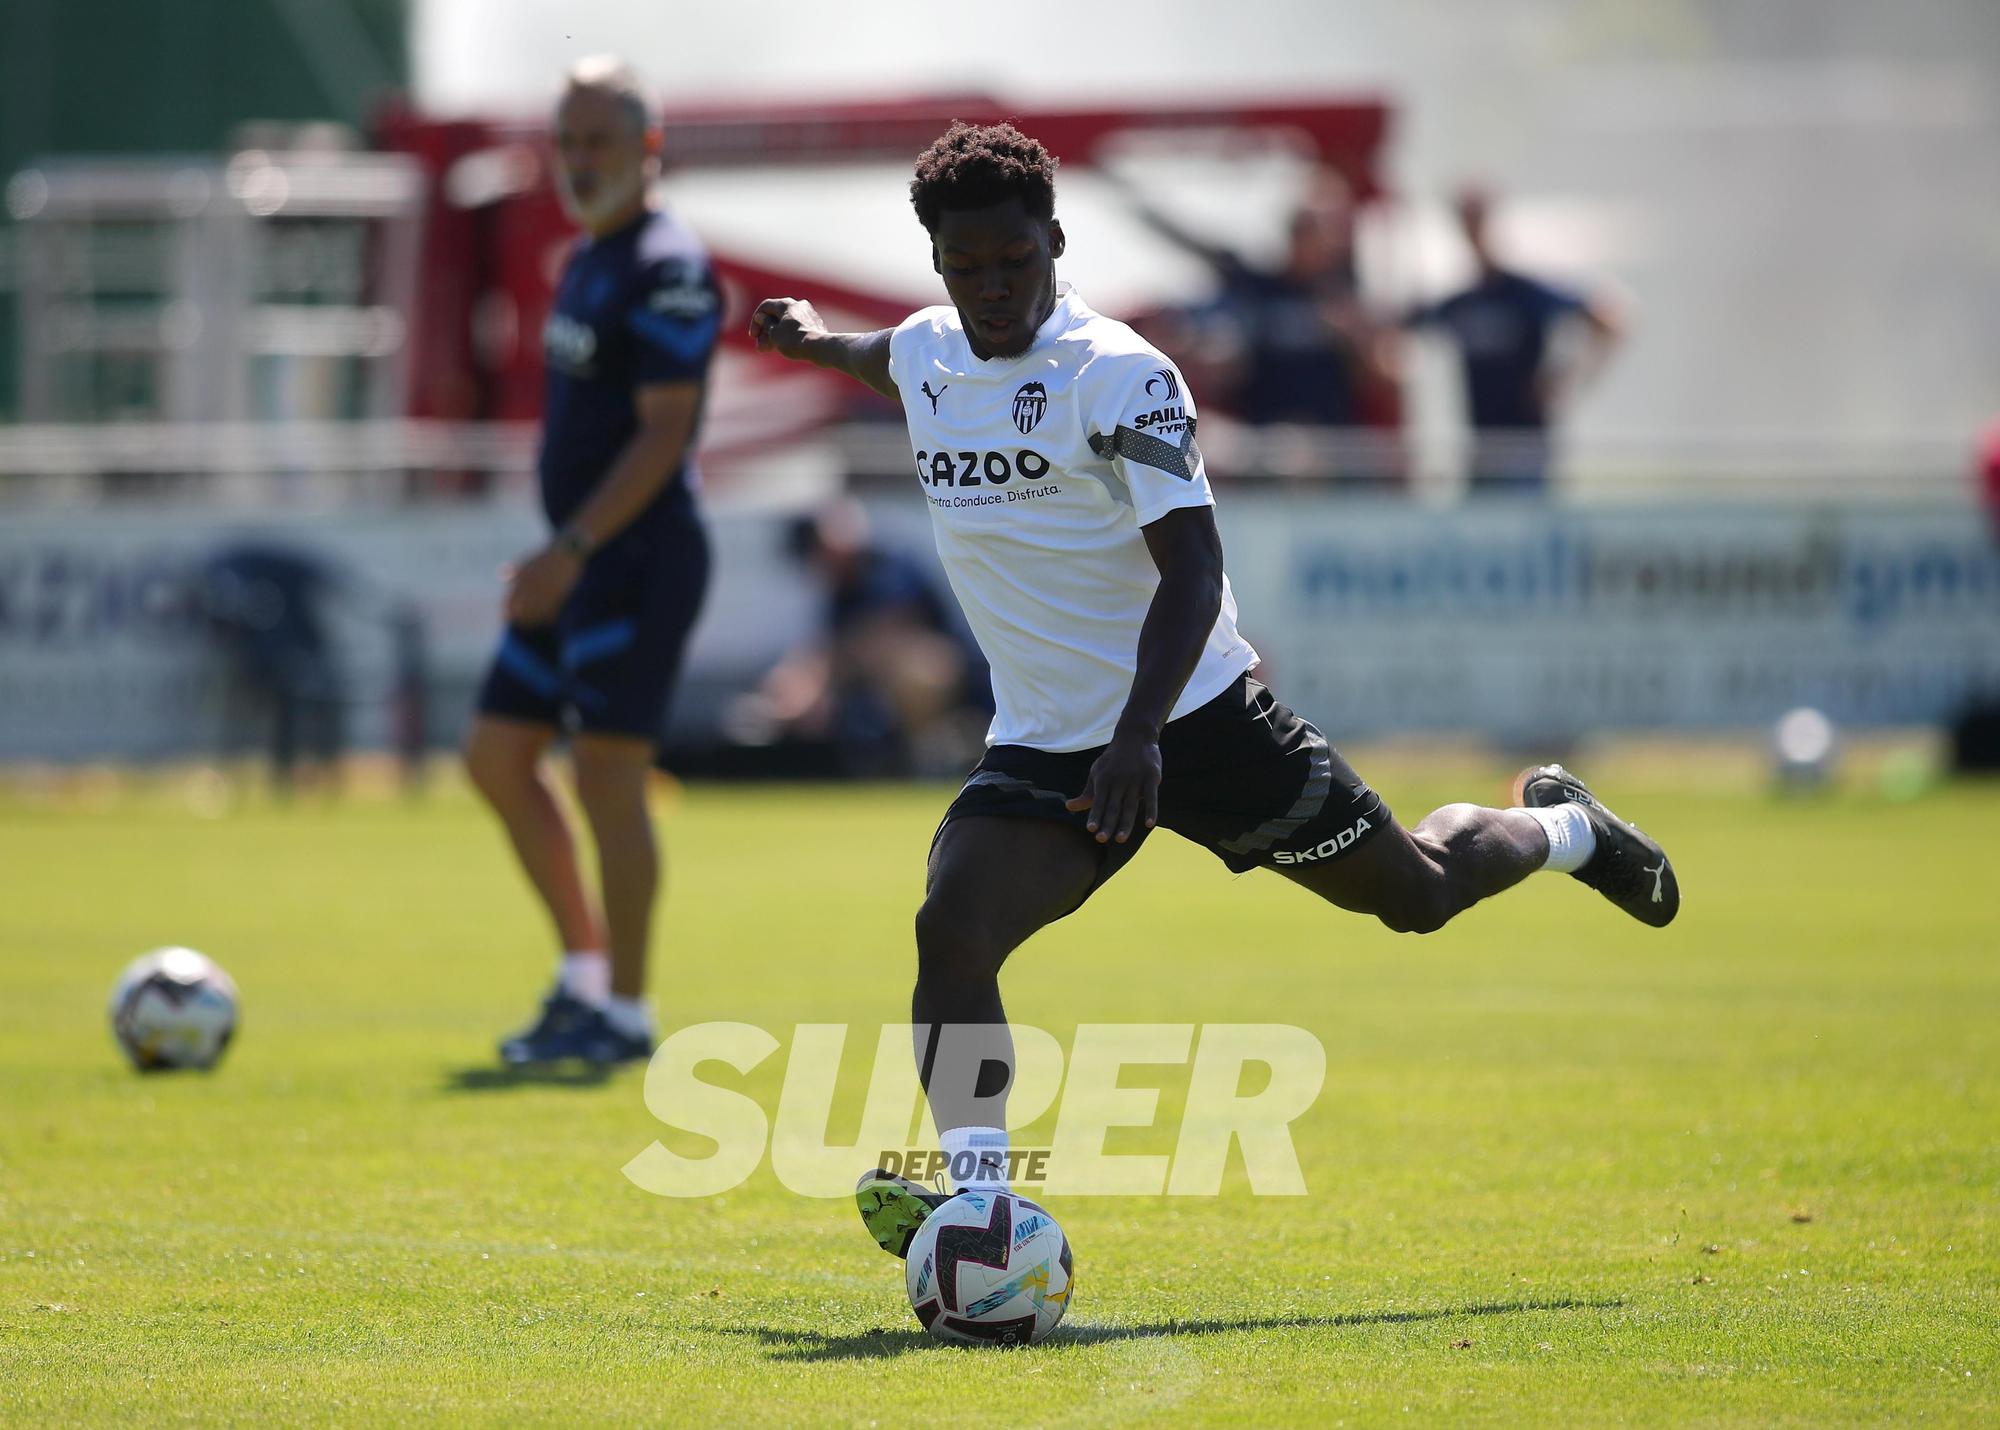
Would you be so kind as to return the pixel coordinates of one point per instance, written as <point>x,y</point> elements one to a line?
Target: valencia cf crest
<point>1029,404</point>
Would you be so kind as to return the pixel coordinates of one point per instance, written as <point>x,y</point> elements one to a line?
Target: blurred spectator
<point>890,682</point>
<point>1307,350</point>
<point>267,608</point>
<point>1518,375</point>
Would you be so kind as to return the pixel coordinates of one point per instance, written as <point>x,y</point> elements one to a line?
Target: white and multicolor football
<point>989,1268</point>
<point>173,1008</point>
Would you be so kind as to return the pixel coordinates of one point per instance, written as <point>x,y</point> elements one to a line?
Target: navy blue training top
<point>1501,325</point>
<point>1298,368</point>
<point>634,307</point>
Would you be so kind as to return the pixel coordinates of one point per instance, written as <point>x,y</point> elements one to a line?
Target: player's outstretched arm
<point>1221,259</point>
<point>792,328</point>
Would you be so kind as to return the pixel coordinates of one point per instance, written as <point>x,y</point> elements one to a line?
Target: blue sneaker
<point>609,1047</point>
<point>567,1028</point>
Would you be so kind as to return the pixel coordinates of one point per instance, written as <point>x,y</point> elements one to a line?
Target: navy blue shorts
<point>608,664</point>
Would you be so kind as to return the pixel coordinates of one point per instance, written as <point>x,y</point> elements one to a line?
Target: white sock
<point>980,1153</point>
<point>1571,839</point>
<point>629,1017</point>
<point>585,974</point>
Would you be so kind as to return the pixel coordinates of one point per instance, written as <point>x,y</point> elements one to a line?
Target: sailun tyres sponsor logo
<point>1324,850</point>
<point>1031,400</point>
<point>1170,413</point>
<point>1161,420</point>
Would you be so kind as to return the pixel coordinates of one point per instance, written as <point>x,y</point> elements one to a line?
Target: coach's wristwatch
<point>573,540</point>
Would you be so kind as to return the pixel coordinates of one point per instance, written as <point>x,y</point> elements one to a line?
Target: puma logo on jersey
<point>934,396</point>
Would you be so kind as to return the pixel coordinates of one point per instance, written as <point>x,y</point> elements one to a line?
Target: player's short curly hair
<point>971,166</point>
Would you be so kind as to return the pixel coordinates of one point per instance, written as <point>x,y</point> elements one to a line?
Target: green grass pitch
<point>1565,1169</point>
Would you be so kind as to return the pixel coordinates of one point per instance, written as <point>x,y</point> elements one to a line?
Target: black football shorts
<point>1243,776</point>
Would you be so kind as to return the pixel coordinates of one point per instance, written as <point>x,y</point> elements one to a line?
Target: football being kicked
<point>990,1269</point>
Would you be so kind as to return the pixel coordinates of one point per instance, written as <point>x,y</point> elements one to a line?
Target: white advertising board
<point>104,650</point>
<point>1530,621</point>
<point>1374,619</point>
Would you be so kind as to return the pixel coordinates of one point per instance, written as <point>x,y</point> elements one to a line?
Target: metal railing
<point>258,464</point>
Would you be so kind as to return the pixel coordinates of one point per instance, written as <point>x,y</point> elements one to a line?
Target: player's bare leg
<point>1417,880</point>
<point>611,776</point>
<point>611,783</point>
<point>505,761</point>
<point>992,883</point>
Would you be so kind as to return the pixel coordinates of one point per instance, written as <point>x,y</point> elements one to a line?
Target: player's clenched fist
<point>786,326</point>
<point>792,328</point>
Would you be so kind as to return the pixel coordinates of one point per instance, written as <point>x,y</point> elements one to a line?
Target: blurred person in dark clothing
<point>1519,374</point>
<point>267,608</point>
<point>599,617</point>
<point>888,679</point>
<point>1309,351</point>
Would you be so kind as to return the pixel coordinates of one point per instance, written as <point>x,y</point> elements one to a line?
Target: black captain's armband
<point>1176,459</point>
<point>972,469</point>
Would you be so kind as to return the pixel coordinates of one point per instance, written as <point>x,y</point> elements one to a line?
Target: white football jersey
<point>1040,470</point>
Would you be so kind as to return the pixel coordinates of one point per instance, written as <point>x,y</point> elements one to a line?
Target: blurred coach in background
<point>598,618</point>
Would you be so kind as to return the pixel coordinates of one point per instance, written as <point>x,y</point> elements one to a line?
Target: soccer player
<point>597,619</point>
<point>1074,518</point>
